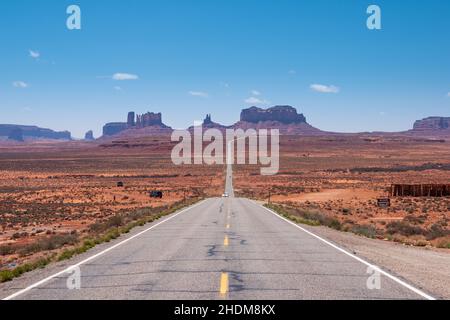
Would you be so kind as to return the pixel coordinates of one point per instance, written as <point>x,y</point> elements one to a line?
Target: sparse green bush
<point>66,254</point>
<point>436,231</point>
<point>313,218</point>
<point>7,275</point>
<point>444,244</point>
<point>49,243</point>
<point>364,230</point>
<point>322,218</point>
<point>404,228</point>
<point>115,221</point>
<point>415,220</point>
<point>304,221</point>
<point>7,249</point>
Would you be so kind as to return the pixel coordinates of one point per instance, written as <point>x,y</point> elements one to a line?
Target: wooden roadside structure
<point>420,190</point>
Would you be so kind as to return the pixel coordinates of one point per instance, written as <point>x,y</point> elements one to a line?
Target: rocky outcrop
<point>209,124</point>
<point>432,123</point>
<point>149,119</point>
<point>34,132</point>
<point>131,120</point>
<point>141,124</point>
<point>284,118</point>
<point>114,128</point>
<point>208,120</point>
<point>89,136</point>
<point>282,114</point>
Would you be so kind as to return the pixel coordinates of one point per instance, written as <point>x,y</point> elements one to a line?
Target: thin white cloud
<point>117,88</point>
<point>324,89</point>
<point>20,84</point>
<point>224,84</point>
<point>292,72</point>
<point>255,101</point>
<point>34,54</point>
<point>124,76</point>
<point>198,94</point>
<point>448,94</point>
<point>256,93</point>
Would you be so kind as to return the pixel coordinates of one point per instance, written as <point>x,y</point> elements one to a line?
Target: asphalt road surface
<point>222,248</point>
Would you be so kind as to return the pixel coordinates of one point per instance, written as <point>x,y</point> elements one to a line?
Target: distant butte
<point>431,127</point>
<point>89,136</point>
<point>432,123</point>
<point>209,124</point>
<point>21,132</point>
<point>284,118</point>
<point>282,114</point>
<point>138,125</point>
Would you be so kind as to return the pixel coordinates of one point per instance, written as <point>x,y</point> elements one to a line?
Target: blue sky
<point>194,57</point>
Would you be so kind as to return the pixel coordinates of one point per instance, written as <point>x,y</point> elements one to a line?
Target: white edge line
<point>69,269</point>
<point>399,281</point>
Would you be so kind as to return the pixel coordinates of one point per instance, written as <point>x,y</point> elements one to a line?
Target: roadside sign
<point>384,202</point>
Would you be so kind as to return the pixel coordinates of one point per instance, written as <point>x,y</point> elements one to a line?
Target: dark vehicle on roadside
<point>156,194</point>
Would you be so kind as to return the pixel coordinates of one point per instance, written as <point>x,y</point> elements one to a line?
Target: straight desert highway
<point>222,248</point>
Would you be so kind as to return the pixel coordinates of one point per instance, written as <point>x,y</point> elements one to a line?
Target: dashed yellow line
<point>224,283</point>
<point>225,241</point>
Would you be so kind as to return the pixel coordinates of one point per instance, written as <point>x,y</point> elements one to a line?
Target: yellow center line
<point>225,241</point>
<point>224,283</point>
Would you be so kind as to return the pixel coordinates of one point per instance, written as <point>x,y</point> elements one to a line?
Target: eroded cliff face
<point>89,136</point>
<point>284,118</point>
<point>282,114</point>
<point>33,132</point>
<point>113,128</point>
<point>432,123</point>
<point>150,121</point>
